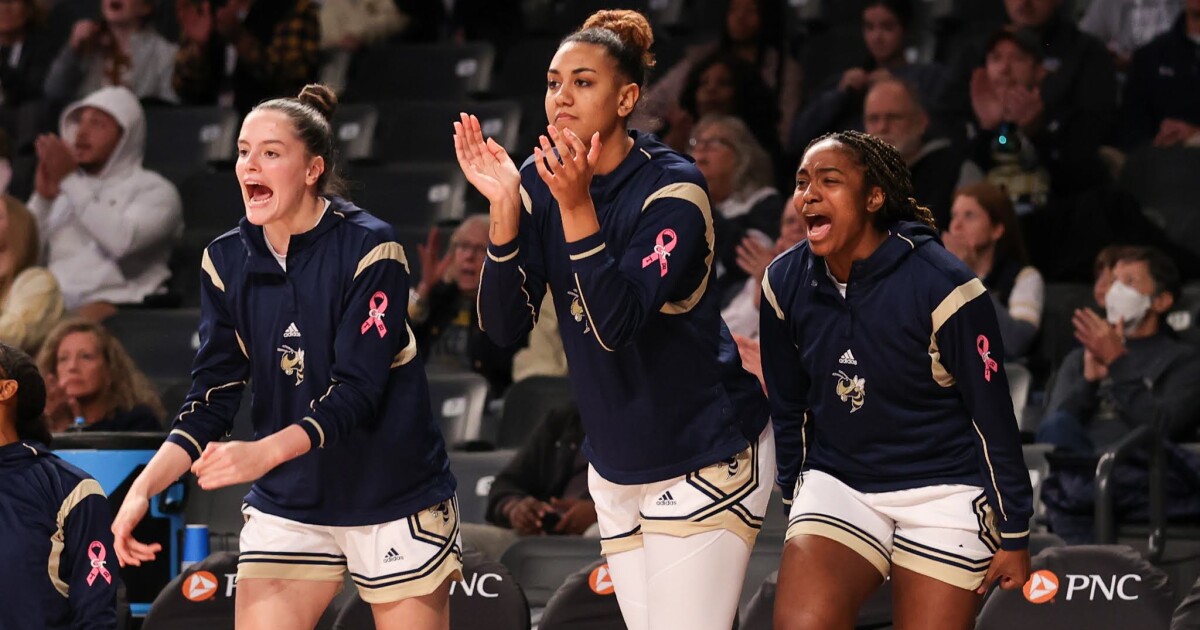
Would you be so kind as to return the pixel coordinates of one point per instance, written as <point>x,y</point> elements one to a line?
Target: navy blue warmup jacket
<point>58,569</point>
<point>898,385</point>
<point>328,347</point>
<point>656,374</point>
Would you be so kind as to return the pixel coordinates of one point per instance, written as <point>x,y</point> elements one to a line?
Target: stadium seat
<point>541,563</point>
<point>1184,317</point>
<point>1165,184</point>
<point>488,598</point>
<point>585,601</point>
<point>458,401</point>
<point>526,405</point>
<point>200,597</point>
<point>190,136</point>
<point>162,342</point>
<point>1020,379</point>
<point>421,132</point>
<point>1087,586</point>
<point>354,129</point>
<point>475,472</point>
<point>1038,466</point>
<point>415,196</point>
<point>1057,336</point>
<point>420,72</point>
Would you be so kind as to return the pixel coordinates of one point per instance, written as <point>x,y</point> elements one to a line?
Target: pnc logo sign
<point>477,583</point>
<point>200,586</point>
<point>1041,587</point>
<point>1044,585</point>
<point>601,581</point>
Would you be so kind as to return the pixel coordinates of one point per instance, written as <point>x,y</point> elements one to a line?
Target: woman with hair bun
<point>620,227</point>
<point>306,299</point>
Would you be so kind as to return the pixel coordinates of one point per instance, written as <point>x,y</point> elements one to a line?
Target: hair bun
<point>320,97</point>
<point>632,27</point>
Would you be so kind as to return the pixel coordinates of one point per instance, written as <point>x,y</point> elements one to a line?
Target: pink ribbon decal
<point>96,554</point>
<point>989,364</point>
<point>378,306</point>
<point>662,250</point>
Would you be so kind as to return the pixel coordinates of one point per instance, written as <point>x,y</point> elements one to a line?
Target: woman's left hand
<point>229,463</point>
<point>569,175</point>
<point>1009,568</point>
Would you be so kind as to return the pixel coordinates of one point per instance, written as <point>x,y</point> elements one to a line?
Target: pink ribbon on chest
<point>662,250</point>
<point>378,306</point>
<point>96,554</point>
<point>989,364</point>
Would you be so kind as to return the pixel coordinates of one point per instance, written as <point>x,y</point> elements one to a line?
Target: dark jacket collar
<point>18,453</point>
<point>254,238</point>
<point>904,237</point>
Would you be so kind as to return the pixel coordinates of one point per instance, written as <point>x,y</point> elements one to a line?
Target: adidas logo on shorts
<point>665,499</point>
<point>847,358</point>
<point>392,556</point>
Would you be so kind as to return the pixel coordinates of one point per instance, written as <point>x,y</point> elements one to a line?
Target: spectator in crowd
<point>1102,271</point>
<point>349,25</point>
<point>442,307</point>
<point>543,489</point>
<point>1001,94</point>
<point>60,569</point>
<point>1126,25</point>
<point>123,48</point>
<point>92,383</point>
<point>1131,370</point>
<point>893,112</point>
<point>753,32</point>
<point>723,84</point>
<point>277,45</point>
<point>984,234</point>
<point>30,300</point>
<point>107,224</point>
<point>738,171</point>
<point>741,313</point>
<point>1162,92</point>
<point>838,105</point>
<point>24,55</point>
<point>1065,115</point>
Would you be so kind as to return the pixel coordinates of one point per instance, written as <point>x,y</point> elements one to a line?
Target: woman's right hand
<point>492,172</point>
<point>129,550</point>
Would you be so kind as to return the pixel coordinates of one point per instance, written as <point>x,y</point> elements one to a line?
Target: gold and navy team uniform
<point>327,346</point>
<point>897,386</point>
<point>57,565</point>
<point>657,376</point>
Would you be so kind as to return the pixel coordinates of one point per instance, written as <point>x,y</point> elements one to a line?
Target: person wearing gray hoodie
<point>107,224</point>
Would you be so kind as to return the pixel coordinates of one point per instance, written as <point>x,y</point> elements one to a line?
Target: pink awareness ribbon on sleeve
<point>96,554</point>
<point>662,250</point>
<point>378,306</point>
<point>989,364</point>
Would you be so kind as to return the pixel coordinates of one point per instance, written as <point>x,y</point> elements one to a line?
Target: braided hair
<point>886,169</point>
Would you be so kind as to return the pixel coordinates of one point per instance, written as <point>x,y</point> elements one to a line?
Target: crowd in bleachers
<point>1057,143</point>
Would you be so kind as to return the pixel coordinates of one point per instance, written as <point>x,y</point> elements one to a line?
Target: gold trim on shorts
<point>282,565</point>
<point>940,565</point>
<point>725,512</point>
<point>437,526</point>
<point>844,532</point>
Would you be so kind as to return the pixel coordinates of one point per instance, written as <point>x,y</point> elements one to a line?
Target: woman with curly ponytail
<point>898,449</point>
<point>620,227</point>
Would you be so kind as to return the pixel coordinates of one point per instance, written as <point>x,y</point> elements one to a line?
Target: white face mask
<point>1124,302</point>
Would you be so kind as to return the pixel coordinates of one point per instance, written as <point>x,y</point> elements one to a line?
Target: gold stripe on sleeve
<point>951,304</point>
<point>696,195</point>
<point>390,250</point>
<point>85,489</point>
<point>209,268</point>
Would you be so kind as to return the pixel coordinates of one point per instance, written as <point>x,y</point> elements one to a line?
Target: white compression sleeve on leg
<point>695,582</point>
<point>628,571</point>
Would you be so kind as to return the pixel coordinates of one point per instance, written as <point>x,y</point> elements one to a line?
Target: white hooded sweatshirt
<point>108,237</point>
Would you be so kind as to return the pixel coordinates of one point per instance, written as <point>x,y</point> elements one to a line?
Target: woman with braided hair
<point>620,226</point>
<point>897,450</point>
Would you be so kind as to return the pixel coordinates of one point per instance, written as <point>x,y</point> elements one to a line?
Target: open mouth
<point>818,226</point>
<point>258,194</point>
